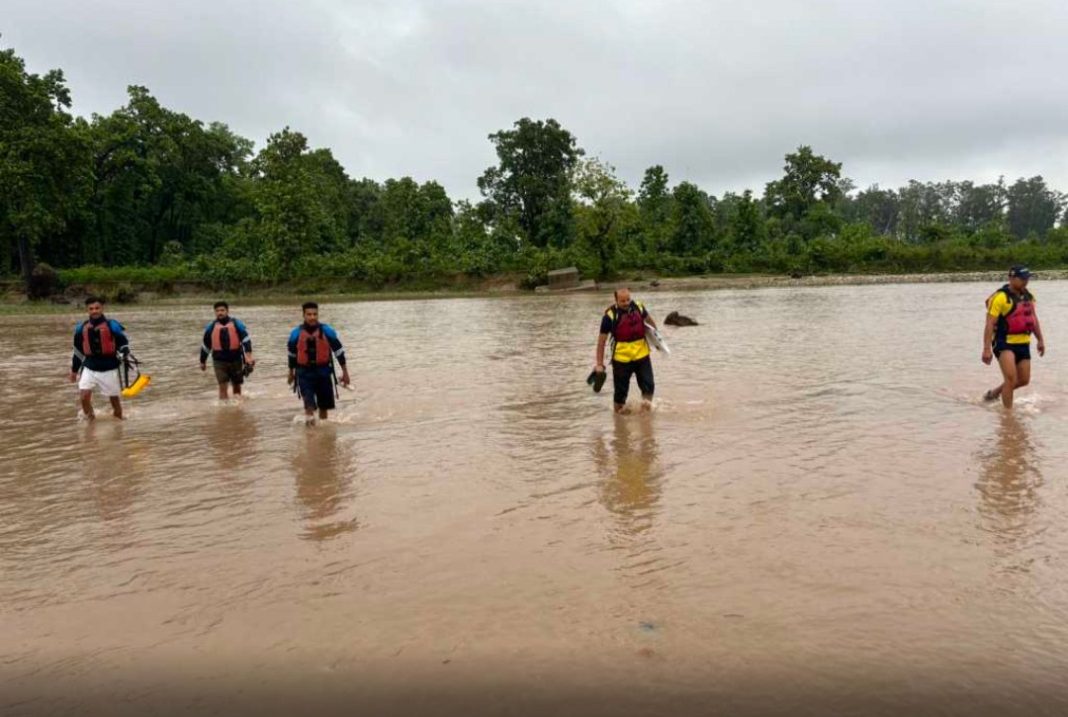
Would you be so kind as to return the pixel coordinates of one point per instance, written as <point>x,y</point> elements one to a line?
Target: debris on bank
<point>568,279</point>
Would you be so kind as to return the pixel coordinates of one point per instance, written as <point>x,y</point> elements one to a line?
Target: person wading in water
<point>625,321</point>
<point>227,341</point>
<point>1010,321</point>
<point>100,346</point>
<point>312,349</point>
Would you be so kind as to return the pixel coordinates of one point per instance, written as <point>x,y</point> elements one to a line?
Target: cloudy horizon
<point>715,93</point>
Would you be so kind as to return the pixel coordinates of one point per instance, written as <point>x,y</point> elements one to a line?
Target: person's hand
<point>988,355</point>
<point>292,377</point>
<point>203,366</point>
<point>599,368</point>
<point>1041,348</point>
<point>250,361</point>
<point>73,378</point>
<point>345,378</point>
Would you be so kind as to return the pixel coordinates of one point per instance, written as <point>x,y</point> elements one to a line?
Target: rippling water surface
<point>818,517</point>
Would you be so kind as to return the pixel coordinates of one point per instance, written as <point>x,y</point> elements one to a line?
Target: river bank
<point>13,301</point>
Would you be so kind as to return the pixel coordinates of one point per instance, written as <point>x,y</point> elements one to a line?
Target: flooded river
<point>819,517</point>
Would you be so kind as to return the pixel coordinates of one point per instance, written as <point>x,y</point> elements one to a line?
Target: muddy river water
<point>819,516</point>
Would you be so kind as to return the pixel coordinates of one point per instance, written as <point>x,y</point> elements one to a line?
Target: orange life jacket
<point>234,344</point>
<point>312,348</point>
<point>107,339</point>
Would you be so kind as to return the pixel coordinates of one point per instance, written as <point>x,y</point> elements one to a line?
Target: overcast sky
<point>717,92</point>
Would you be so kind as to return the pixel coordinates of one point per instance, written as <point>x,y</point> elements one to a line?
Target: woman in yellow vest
<point>625,322</point>
<point>1010,321</point>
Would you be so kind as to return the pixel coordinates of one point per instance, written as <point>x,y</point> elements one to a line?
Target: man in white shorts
<point>100,344</point>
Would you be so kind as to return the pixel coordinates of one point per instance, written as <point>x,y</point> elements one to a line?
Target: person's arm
<point>598,357</point>
<point>988,335</point>
<point>1040,337</point>
<point>339,353</point>
<point>291,348</point>
<point>246,343</point>
<point>205,348</point>
<point>77,356</point>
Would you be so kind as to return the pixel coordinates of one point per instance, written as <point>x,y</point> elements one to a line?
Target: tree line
<point>148,191</point>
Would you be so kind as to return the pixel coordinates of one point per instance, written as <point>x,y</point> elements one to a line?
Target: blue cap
<point>1020,272</point>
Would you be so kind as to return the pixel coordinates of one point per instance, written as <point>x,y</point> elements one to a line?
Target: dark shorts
<point>1022,351</point>
<point>621,373</point>
<point>316,388</point>
<point>229,372</point>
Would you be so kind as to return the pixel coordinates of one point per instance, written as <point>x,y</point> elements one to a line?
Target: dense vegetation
<point>150,194</point>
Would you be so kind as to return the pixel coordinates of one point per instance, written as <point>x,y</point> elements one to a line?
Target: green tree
<point>160,176</point>
<point>532,180</point>
<point>878,208</point>
<point>810,185</point>
<point>296,205</point>
<point>603,204</point>
<point>44,160</point>
<point>747,223</point>
<point>979,205</point>
<point>1033,207</point>
<point>925,210</point>
<point>808,179</point>
<point>692,228</point>
<point>654,204</point>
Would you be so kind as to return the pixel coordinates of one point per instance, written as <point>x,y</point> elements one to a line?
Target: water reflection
<point>1009,481</point>
<point>629,464</point>
<point>324,471</point>
<point>114,466</point>
<point>232,434</point>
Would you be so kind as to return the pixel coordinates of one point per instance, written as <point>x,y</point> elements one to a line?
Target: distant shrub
<point>44,282</point>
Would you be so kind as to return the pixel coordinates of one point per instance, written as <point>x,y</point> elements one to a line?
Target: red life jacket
<point>312,348</point>
<point>629,326</point>
<point>107,339</point>
<point>216,337</point>
<point>1021,317</point>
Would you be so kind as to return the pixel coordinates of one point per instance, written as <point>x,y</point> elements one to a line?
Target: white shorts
<point>106,381</point>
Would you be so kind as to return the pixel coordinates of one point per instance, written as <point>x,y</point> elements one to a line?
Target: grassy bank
<point>129,291</point>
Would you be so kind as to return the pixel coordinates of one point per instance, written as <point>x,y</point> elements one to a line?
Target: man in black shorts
<point>1010,321</point>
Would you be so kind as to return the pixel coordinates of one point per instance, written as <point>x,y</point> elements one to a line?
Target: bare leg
<point>224,392</point>
<point>1023,374</point>
<point>87,404</point>
<point>116,407</point>
<point>322,414</point>
<point>237,390</point>
<point>1007,362</point>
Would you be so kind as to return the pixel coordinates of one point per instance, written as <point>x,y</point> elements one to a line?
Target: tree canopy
<point>147,186</point>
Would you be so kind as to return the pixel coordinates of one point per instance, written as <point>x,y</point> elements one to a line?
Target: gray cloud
<point>716,92</point>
